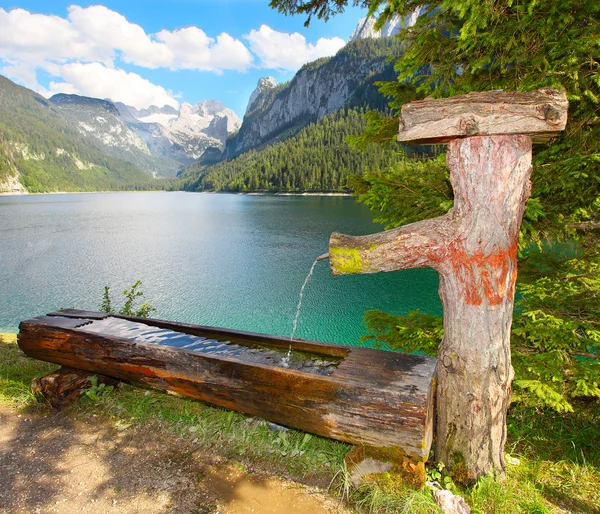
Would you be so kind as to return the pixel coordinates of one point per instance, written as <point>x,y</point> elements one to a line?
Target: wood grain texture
<point>541,114</point>
<point>373,398</point>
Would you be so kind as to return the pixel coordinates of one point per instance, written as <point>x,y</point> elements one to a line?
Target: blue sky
<point>150,52</point>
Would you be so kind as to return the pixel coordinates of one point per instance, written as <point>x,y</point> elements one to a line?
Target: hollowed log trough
<point>381,401</point>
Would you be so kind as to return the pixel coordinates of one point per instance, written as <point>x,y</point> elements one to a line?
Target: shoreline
<point>83,192</point>
<point>269,193</point>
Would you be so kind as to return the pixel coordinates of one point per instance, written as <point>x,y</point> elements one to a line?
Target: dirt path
<point>54,463</point>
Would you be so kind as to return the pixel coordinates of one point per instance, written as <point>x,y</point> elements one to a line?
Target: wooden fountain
<point>473,247</point>
<point>380,401</point>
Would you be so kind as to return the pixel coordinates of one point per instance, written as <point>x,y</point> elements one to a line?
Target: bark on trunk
<point>490,177</point>
<point>474,248</point>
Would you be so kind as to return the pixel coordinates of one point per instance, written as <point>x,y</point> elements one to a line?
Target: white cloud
<point>102,28</point>
<point>35,37</point>
<point>289,51</point>
<point>98,34</point>
<point>193,49</point>
<point>84,51</point>
<point>24,73</point>
<point>98,81</point>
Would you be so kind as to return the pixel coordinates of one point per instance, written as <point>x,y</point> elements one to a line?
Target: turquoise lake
<point>234,261</point>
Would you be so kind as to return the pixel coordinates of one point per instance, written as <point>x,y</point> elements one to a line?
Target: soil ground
<point>56,463</point>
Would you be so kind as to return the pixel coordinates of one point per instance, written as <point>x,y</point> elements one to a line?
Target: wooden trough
<point>381,401</point>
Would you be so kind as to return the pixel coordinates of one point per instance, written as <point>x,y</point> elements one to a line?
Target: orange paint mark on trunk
<point>491,276</point>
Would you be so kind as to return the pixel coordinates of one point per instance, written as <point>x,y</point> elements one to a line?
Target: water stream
<point>285,362</point>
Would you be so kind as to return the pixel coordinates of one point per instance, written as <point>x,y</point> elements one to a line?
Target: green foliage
<point>556,333</point>
<point>106,300</point>
<point>415,332</point>
<point>437,476</point>
<point>316,159</point>
<point>96,391</point>
<point>322,9</point>
<point>460,46</point>
<point>16,373</point>
<point>380,129</point>
<point>407,191</point>
<point>129,308</point>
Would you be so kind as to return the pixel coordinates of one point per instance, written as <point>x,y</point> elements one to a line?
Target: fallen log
<point>382,401</point>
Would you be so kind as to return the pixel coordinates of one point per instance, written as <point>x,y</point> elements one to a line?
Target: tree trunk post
<point>474,249</point>
<point>490,177</point>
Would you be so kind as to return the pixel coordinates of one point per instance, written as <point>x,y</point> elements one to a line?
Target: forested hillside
<point>316,159</point>
<point>318,88</point>
<point>38,147</point>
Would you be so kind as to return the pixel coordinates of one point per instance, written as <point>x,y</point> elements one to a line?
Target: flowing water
<point>286,361</point>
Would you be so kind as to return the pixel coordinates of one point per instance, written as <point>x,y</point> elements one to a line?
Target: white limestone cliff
<point>366,26</point>
<point>264,84</point>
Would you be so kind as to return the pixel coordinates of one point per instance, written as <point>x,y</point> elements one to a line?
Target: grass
<point>556,467</point>
<point>16,373</point>
<point>230,434</point>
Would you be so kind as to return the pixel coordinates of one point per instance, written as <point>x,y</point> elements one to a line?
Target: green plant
<point>129,308</point>
<point>96,391</point>
<point>437,477</point>
<point>106,301</point>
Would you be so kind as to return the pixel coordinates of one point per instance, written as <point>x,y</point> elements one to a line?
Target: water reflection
<point>256,353</point>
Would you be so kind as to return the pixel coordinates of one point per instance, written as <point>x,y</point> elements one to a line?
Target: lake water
<point>232,261</point>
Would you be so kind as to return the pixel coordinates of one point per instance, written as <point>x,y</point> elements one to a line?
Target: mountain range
<point>40,151</point>
<point>157,142</point>
<point>157,139</point>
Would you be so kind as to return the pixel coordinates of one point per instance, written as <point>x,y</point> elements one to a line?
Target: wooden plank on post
<point>541,114</point>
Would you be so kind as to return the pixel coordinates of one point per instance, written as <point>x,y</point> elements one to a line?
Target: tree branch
<point>418,245</point>
<point>585,226</point>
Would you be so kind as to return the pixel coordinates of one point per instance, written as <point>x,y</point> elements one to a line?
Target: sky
<point>148,52</point>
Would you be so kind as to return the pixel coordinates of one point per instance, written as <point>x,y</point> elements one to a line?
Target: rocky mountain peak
<point>164,134</point>
<point>366,26</point>
<point>183,135</point>
<point>264,84</point>
<point>210,108</point>
<point>153,109</point>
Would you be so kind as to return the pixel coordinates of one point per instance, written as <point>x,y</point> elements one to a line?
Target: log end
<point>65,386</point>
